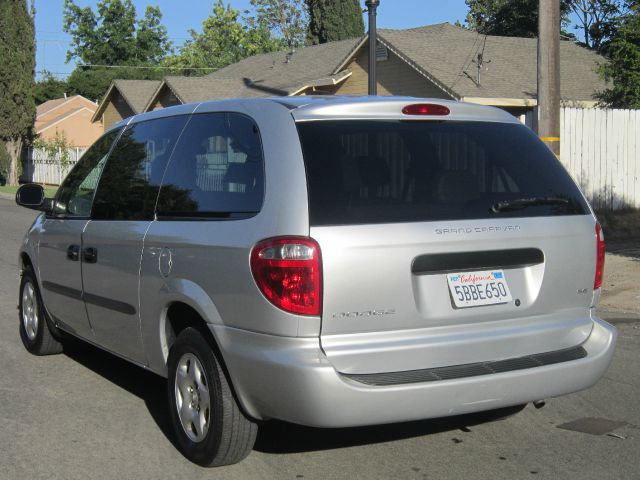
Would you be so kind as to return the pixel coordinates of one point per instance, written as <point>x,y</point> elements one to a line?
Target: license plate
<point>473,289</point>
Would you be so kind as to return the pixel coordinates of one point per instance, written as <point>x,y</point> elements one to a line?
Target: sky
<point>180,16</point>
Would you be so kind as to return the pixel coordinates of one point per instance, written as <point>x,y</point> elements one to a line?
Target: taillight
<point>288,271</point>
<point>599,257</point>
<point>425,109</point>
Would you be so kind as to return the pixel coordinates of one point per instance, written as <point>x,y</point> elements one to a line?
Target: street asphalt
<point>88,415</point>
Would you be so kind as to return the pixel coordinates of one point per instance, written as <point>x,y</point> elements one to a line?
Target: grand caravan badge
<point>365,313</point>
<point>483,229</point>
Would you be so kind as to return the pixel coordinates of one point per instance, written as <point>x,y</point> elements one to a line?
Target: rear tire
<point>210,427</point>
<point>35,329</point>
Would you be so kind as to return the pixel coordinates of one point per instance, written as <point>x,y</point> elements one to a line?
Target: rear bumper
<point>291,379</point>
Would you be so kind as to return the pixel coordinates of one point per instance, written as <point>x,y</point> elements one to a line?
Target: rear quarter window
<point>216,170</point>
<point>396,171</point>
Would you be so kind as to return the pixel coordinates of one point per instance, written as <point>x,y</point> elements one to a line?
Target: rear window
<point>391,171</point>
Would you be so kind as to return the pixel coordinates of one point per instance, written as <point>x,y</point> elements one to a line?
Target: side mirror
<point>31,195</point>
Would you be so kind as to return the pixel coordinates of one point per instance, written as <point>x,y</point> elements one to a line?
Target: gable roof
<point>49,105</point>
<point>55,103</point>
<point>268,74</point>
<point>447,55</point>
<point>194,89</point>
<point>60,118</point>
<point>136,93</point>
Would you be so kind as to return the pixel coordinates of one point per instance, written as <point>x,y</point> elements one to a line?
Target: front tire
<point>35,331</point>
<point>210,427</point>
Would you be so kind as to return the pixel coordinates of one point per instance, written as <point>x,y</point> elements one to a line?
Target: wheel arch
<point>25,261</point>
<point>184,304</point>
<point>180,314</point>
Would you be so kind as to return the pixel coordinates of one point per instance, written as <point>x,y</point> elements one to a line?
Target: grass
<point>48,191</point>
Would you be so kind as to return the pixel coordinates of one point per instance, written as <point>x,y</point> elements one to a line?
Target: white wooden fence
<point>42,168</point>
<point>601,150</point>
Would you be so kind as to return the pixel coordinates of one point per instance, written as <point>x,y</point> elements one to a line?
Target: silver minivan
<point>327,261</point>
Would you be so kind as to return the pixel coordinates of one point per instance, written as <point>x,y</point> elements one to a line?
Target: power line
<point>467,61</point>
<point>158,67</point>
<point>42,72</point>
<point>93,65</point>
<point>52,40</point>
<point>481,61</point>
<point>68,40</point>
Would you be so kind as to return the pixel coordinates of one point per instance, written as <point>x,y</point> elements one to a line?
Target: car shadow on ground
<point>281,437</point>
<point>147,386</point>
<point>274,437</point>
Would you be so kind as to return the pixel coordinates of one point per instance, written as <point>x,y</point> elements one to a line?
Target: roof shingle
<point>276,73</point>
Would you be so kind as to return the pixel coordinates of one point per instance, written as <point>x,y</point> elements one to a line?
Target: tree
<point>512,18</point>
<point>623,67</point>
<point>5,164</point>
<point>225,39</point>
<point>113,37</point>
<point>17,107</point>
<point>596,19</point>
<point>49,87</point>
<point>152,43</point>
<point>332,20</point>
<point>285,18</point>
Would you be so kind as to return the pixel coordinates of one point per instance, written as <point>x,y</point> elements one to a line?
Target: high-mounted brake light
<point>425,109</point>
<point>597,283</point>
<point>288,271</point>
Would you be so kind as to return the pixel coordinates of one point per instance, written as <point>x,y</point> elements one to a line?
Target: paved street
<point>88,415</point>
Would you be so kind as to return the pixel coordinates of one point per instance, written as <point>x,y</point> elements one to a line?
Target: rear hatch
<point>445,242</point>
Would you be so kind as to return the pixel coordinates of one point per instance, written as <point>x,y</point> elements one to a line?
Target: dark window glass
<point>75,195</point>
<point>216,170</point>
<point>389,171</point>
<point>131,179</point>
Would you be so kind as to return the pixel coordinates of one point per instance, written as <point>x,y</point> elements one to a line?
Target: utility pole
<point>549,74</point>
<point>372,6</point>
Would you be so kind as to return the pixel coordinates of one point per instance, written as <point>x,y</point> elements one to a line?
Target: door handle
<point>90,255</point>
<point>73,252</point>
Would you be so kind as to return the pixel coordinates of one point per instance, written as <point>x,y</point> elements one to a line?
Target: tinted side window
<point>387,171</point>
<point>75,195</point>
<point>216,169</point>
<point>130,182</point>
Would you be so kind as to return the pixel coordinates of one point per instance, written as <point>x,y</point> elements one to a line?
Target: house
<point>123,99</point>
<point>71,116</point>
<point>438,61</point>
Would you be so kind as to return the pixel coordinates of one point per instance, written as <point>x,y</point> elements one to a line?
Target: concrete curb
<point>7,196</point>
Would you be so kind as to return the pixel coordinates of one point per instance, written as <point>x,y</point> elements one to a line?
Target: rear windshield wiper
<point>519,203</point>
